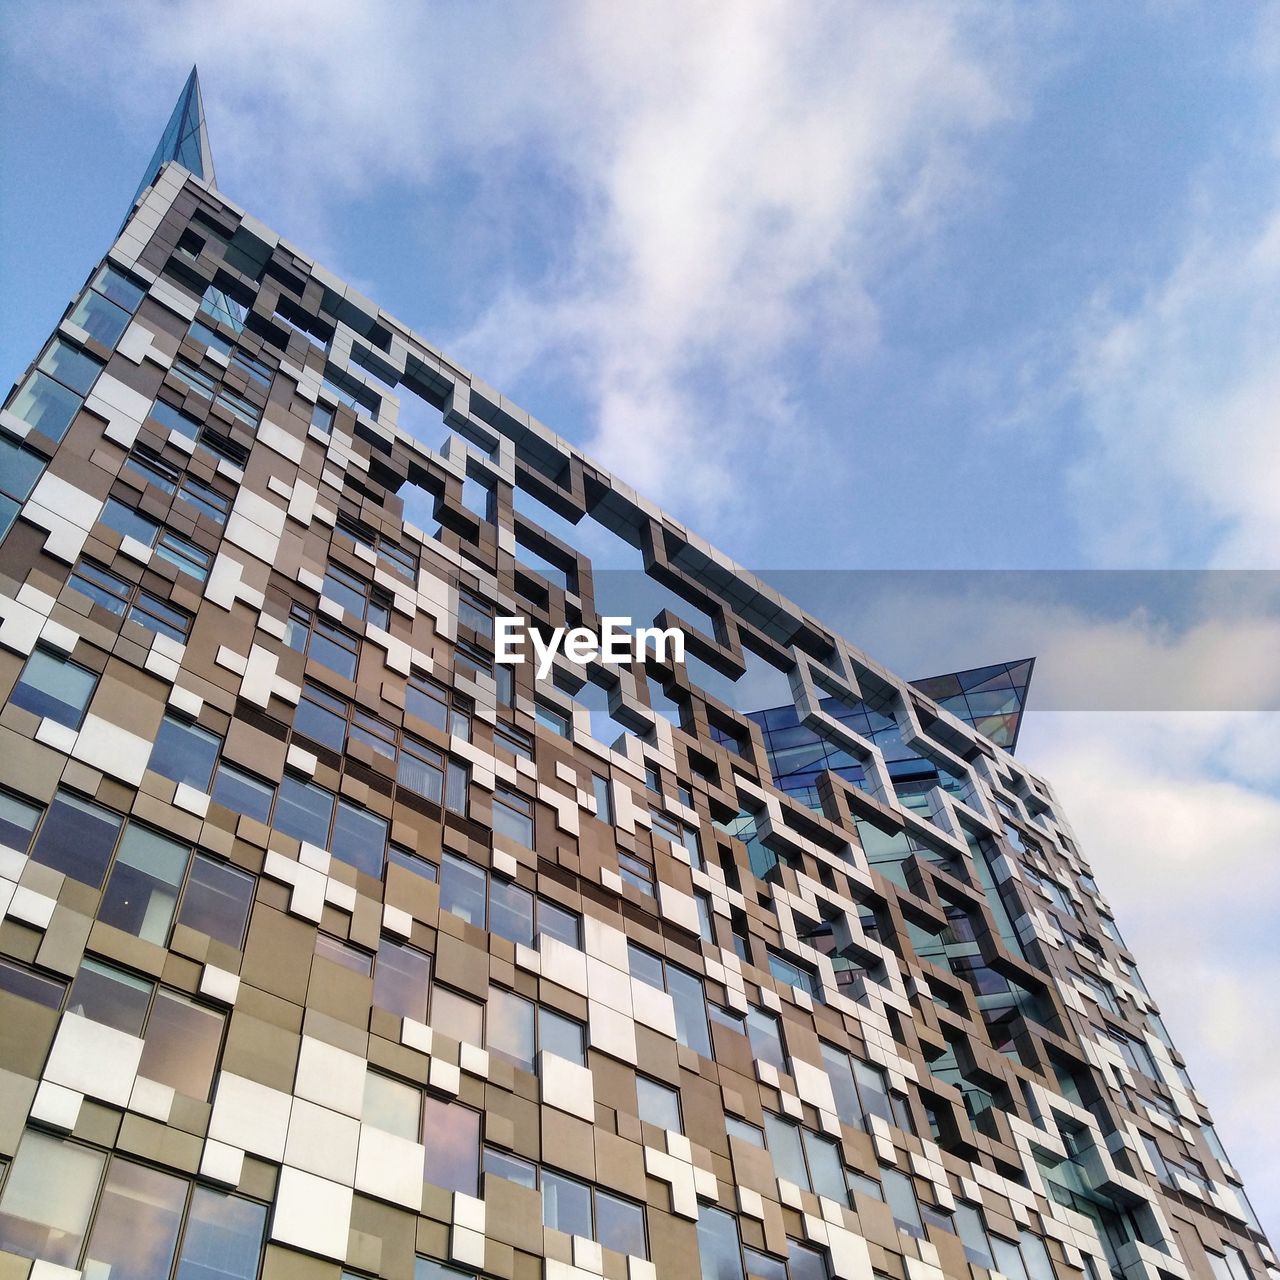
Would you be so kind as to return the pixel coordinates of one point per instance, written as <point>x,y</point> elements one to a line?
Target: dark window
<point>184,752</point>
<point>217,900</point>
<point>18,819</point>
<point>124,598</point>
<point>18,980</point>
<point>475,612</point>
<point>303,810</point>
<point>322,717</point>
<point>428,701</point>
<point>142,892</point>
<point>243,793</point>
<point>359,838</point>
<point>77,838</point>
<point>54,688</point>
<point>604,798</point>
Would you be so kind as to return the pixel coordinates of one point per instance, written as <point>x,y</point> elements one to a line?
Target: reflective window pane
<point>510,1029</point>
<point>359,838</point>
<point>825,1167</point>
<point>451,1135</point>
<point>559,922</point>
<point>620,1225</point>
<point>392,1105</point>
<point>100,318</point>
<point>402,980</point>
<point>765,1034</point>
<point>511,818</point>
<point>784,1147</point>
<point>718,1250</point>
<point>110,996</point>
<point>185,752</point>
<point>18,980</point>
<point>564,1037</point>
<point>691,1010</point>
<point>243,793</point>
<point>659,1104</point>
<point>45,405</point>
<point>55,688</point>
<point>47,1199</point>
<point>112,283</point>
<point>182,1044</point>
<point>223,1239</point>
<point>304,810</point>
<point>142,892</point>
<point>135,1230</point>
<point>72,367</point>
<point>217,900</point>
<point>77,838</point>
<point>566,1204</point>
<point>511,912</point>
<point>462,889</point>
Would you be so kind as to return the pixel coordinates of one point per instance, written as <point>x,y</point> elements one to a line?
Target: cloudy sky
<point>913,285</point>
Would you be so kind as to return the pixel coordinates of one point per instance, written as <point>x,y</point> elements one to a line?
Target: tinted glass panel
<point>243,793</point>
<point>451,1134</point>
<point>52,687</point>
<point>223,1239</point>
<point>359,838</point>
<point>135,1230</point>
<point>143,890</point>
<point>20,981</point>
<point>71,366</point>
<point>462,889</point>
<point>18,820</point>
<point>304,810</point>
<point>47,1199</point>
<point>566,1204</point>
<point>110,996</point>
<point>47,406</point>
<point>620,1225</point>
<point>402,980</point>
<point>185,752</point>
<point>77,838</point>
<point>511,912</point>
<point>182,1044</point>
<point>217,901</point>
<point>659,1104</point>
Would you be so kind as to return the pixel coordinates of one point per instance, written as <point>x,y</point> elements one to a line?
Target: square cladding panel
<point>333,947</point>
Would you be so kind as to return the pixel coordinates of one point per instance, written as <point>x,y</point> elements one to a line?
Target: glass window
<point>392,1105</point>
<point>100,318</point>
<point>428,701</point>
<point>462,889</point>
<point>457,789</point>
<point>873,1089</point>
<point>551,718</point>
<point>410,861</point>
<point>322,717</point>
<point>1008,1259</point>
<point>500,1164</point>
<point>54,688</point>
<point>765,1033</point>
<point>718,1248</point>
<point>561,1036</point>
<point>604,798</point>
<point>20,981</point>
<point>45,406</point>
<point>72,367</point>
<point>901,1198</point>
<point>510,1030</point>
<point>973,1235</point>
<point>566,1204</point>
<point>840,1073</point>
<point>635,871</point>
<point>303,810</point>
<point>784,1147</point>
<point>512,740</point>
<point>645,966</point>
<point>108,995</point>
<point>217,900</point>
<point>359,838</point>
<point>736,1128</point>
<point>760,1266</point>
<point>402,980</point>
<point>142,892</point>
<point>451,1133</point>
<point>183,1040</point>
<point>421,769</point>
<point>826,1170</point>
<point>129,523</point>
<point>555,921</point>
<point>135,1231</point>
<point>20,468</point>
<point>243,793</point>
<point>511,912</point>
<point>47,1199</point>
<point>475,613</point>
<point>185,752</point>
<point>18,820</point>
<point>512,817</point>
<point>344,954</point>
<point>173,419</point>
<point>184,555</point>
<point>620,1225</point>
<point>691,1010</point>
<point>149,468</point>
<point>659,1104</point>
<point>457,1017</point>
<point>77,838</point>
<point>206,500</point>
<point>112,283</point>
<point>223,1239</point>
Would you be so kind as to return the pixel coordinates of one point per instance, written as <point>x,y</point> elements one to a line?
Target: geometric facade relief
<point>331,946</point>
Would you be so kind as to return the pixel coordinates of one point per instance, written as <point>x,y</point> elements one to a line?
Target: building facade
<point>332,948</point>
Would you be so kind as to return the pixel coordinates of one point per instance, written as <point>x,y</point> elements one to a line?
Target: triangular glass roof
<point>185,139</point>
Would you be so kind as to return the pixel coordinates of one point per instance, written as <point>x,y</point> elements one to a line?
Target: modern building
<point>333,948</point>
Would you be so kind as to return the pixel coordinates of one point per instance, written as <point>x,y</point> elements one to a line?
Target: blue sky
<point>855,285</point>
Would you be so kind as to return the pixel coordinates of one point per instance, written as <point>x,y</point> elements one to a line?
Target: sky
<point>843,286</point>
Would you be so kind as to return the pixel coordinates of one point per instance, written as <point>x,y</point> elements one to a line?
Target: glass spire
<point>185,139</point>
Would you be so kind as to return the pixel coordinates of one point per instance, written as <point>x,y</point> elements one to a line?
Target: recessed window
<point>18,819</point>
<point>77,838</point>
<point>604,798</point>
<point>514,741</point>
<point>659,1104</point>
<point>142,892</point>
<point>462,889</point>
<point>323,642</point>
<point>402,980</point>
<point>636,872</point>
<point>765,1033</point>
<point>242,793</point>
<point>428,701</point>
<point>184,752</point>
<point>410,861</point>
<point>392,1106</point>
<point>343,954</point>
<point>359,838</point>
<point>122,598</point>
<point>456,1016</point>
<point>48,1197</point>
<point>475,612</point>
<point>551,718</point>
<point>217,901</point>
<point>501,1164</point>
<point>54,688</point>
<point>173,419</point>
<point>303,810</point>
<point>513,817</point>
<point>421,769</point>
<point>451,1133</point>
<point>579,1209</point>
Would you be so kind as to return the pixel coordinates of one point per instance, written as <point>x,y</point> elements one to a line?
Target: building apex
<point>185,138</point>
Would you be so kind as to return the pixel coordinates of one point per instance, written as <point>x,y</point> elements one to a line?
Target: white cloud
<point>738,177</point>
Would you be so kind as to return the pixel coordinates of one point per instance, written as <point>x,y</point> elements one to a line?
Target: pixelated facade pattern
<point>329,949</point>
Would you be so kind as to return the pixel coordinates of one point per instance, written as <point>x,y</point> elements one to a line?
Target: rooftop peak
<point>185,138</point>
